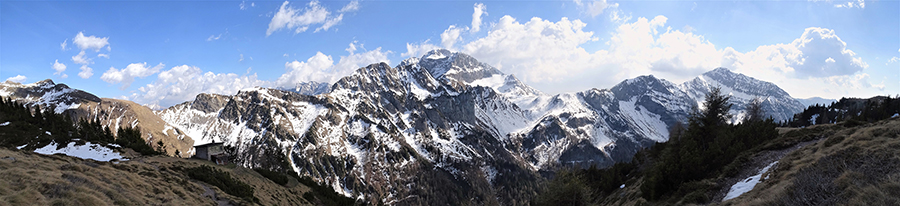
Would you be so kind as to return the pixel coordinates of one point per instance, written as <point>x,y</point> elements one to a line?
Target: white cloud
<point>86,72</point>
<point>595,7</point>
<point>90,42</point>
<point>350,7</point>
<point>852,4</point>
<point>244,5</point>
<point>551,56</point>
<point>63,45</point>
<point>81,59</point>
<point>126,76</point>
<point>480,9</point>
<point>321,67</point>
<point>419,49</point>
<point>450,36</point>
<point>183,83</point>
<point>351,48</point>
<point>58,67</point>
<point>807,56</point>
<point>242,58</point>
<point>330,23</point>
<point>892,60</point>
<point>539,50</point>
<point>103,55</point>
<point>214,37</point>
<point>289,17</point>
<point>17,78</point>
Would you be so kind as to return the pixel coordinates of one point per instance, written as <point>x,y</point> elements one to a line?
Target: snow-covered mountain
<point>776,102</point>
<point>816,100</point>
<point>446,127</point>
<point>113,113</point>
<point>309,88</point>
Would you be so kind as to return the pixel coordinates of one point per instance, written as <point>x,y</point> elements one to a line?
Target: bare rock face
<point>112,113</point>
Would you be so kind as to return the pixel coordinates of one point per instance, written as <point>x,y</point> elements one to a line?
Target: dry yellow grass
<point>34,179</point>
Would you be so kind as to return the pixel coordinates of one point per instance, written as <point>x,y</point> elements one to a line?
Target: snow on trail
<point>746,185</point>
<point>86,151</point>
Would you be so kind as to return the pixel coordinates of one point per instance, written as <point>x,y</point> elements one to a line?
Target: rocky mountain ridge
<point>445,122</point>
<point>113,113</point>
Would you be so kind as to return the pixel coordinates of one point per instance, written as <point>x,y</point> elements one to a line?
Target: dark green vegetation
<point>223,181</point>
<point>35,128</point>
<point>323,195</point>
<point>864,110</point>
<point>693,165</point>
<point>276,177</point>
<point>707,145</point>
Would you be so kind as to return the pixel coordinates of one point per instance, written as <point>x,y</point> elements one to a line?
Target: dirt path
<point>757,163</point>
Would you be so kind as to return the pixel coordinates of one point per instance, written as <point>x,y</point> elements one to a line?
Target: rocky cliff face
<point>113,113</point>
<point>445,127</point>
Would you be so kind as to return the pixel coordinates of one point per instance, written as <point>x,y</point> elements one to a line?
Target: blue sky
<point>161,53</point>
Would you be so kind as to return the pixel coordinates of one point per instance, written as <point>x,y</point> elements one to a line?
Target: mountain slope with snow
<point>112,113</point>
<point>446,122</point>
<point>776,102</point>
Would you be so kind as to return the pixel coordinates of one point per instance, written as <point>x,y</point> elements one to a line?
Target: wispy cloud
<point>299,20</point>
<point>480,10</point>
<point>214,37</point>
<point>350,7</point>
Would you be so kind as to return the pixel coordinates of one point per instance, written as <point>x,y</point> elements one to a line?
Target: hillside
<point>848,165</point>
<point>851,162</point>
<point>446,121</point>
<point>113,113</point>
<point>36,179</point>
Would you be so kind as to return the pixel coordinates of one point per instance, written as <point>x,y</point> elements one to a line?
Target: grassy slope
<point>35,179</point>
<point>857,165</point>
<point>845,164</point>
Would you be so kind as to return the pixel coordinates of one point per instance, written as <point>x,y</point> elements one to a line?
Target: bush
<point>276,177</point>
<point>223,181</point>
<point>324,194</point>
<point>131,138</point>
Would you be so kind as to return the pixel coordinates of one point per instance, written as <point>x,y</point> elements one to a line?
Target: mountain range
<point>433,129</point>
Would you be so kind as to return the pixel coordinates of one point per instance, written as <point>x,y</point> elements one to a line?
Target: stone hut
<point>212,151</point>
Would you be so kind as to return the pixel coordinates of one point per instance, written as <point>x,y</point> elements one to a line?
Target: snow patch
<point>746,185</point>
<point>86,151</point>
<point>7,123</point>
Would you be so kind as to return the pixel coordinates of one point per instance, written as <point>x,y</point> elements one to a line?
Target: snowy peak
<point>47,94</point>
<point>443,64</point>
<point>741,83</point>
<point>642,85</point>
<point>776,102</point>
<point>309,88</point>
<point>459,70</point>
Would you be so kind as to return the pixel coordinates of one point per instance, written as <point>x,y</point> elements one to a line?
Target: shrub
<point>223,181</point>
<point>276,177</point>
